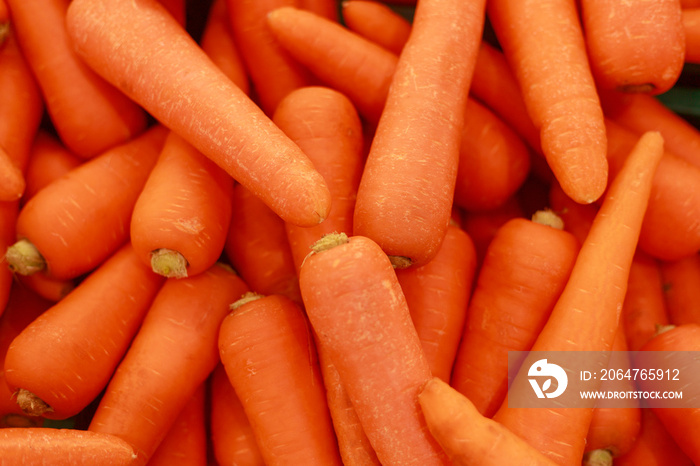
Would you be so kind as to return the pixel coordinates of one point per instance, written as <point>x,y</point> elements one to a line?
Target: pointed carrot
<point>377,22</point>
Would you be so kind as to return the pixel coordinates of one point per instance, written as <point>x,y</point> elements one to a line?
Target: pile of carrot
<point>311,231</point>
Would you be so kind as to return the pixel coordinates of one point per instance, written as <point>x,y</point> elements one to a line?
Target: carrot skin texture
<point>359,313</point>
<point>262,342</point>
<point>120,292</point>
<point>189,94</point>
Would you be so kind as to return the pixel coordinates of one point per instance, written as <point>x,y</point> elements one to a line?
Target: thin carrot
<point>526,267</point>
<point>265,340</point>
<point>174,347</point>
<point>691,26</point>
<point>155,61</point>
<point>181,217</point>
<point>377,22</point>
<point>468,437</point>
<point>586,315</point>
<point>358,311</point>
<point>231,436</point>
<point>89,114</point>
<point>404,201</point>
<point>544,45</point>
<point>96,323</point>
<point>87,210</point>
<point>681,289</point>
<point>438,294</point>
<point>648,57</point>
<point>63,447</point>
<point>49,160</point>
<point>325,125</point>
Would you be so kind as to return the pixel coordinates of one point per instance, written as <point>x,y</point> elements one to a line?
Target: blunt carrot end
<point>31,404</point>
<point>24,258</point>
<point>169,263</point>
<point>549,218</point>
<point>246,298</point>
<point>598,458</point>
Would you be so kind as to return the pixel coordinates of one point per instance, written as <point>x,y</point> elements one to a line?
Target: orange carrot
<point>437,294</point>
<point>628,51</point>
<point>359,314</point>
<point>8,219</point>
<point>685,4</point>
<point>155,61</point>
<point>89,114</point>
<point>49,160</point>
<point>681,289</point>
<point>466,435</point>
<point>691,26</point>
<point>11,179</point>
<point>181,217</point>
<point>87,210</point>
<point>526,267</point>
<point>404,201</point>
<point>377,22</point>
<point>544,45</point>
<point>63,447</point>
<point>586,315</point>
<point>266,339</point>
<point>325,8</point>
<point>176,344</point>
<point>231,436</point>
<point>325,125</point>
<point>577,218</point>
<point>48,287</point>
<point>95,324</point>
<point>4,21</point>
<point>177,9</point>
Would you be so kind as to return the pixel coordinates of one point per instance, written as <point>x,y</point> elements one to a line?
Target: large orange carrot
<point>404,201</point>
<point>544,45</point>
<point>87,210</point>
<point>89,114</point>
<point>181,217</point>
<point>173,353</point>
<point>360,315</point>
<point>49,160</point>
<point>95,323</point>
<point>324,123</point>
<point>586,315</point>
<point>377,22</point>
<point>154,61</point>
<point>267,350</point>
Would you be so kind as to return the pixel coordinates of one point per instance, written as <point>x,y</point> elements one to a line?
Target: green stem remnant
<point>24,258</point>
<point>169,263</point>
<point>31,404</point>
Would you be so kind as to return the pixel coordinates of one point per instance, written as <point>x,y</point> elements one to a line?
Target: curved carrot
<point>325,125</point>
<point>437,294</point>
<point>90,115</point>
<point>49,160</point>
<point>526,267</point>
<point>544,45</point>
<point>266,339</point>
<point>176,344</point>
<point>96,323</point>
<point>63,447</point>
<point>586,315</point>
<point>466,435</point>
<point>181,217</point>
<point>88,210</point>
<point>181,87</point>
<point>691,26</point>
<point>404,201</point>
<point>357,310</point>
<point>377,22</point>
<point>681,289</point>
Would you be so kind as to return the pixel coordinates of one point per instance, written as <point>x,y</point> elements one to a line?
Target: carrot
<point>88,210</point>
<point>90,115</point>
<point>681,285</point>
<point>691,26</point>
<point>647,57</point>
<point>177,9</point>
<point>404,201</point>
<point>466,435</point>
<point>325,125</point>
<point>182,88</point>
<point>326,8</point>
<point>685,4</point>
<point>48,287</point>
<point>437,294</point>
<point>266,339</point>
<point>49,160</point>
<point>11,179</point>
<point>544,45</point>
<point>95,323</point>
<point>63,447</point>
<point>181,217</point>
<point>231,436</point>
<point>359,314</point>
<point>4,21</point>
<point>218,43</point>
<point>8,219</point>
<point>257,247</point>
<point>186,440</point>
<point>586,315</point>
<point>577,218</point>
<point>526,267</point>
<point>377,22</point>
<point>670,230</point>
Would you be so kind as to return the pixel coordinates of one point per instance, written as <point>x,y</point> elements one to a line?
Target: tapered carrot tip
<point>598,458</point>
<point>169,263</point>
<point>549,218</point>
<point>24,258</point>
<point>245,299</point>
<point>31,404</point>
